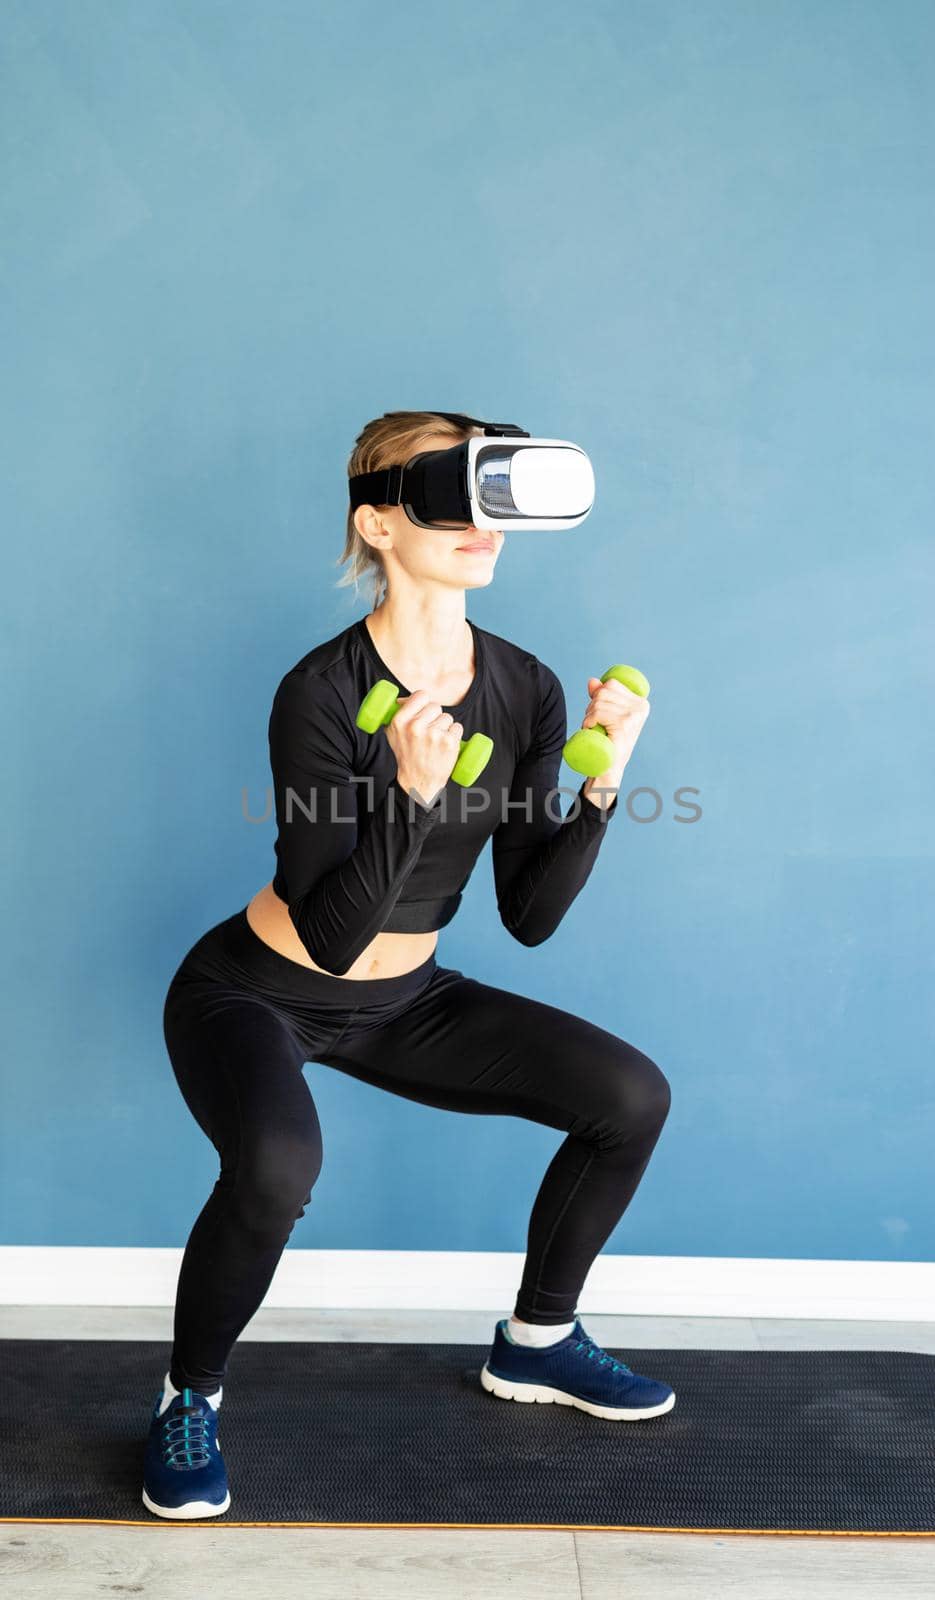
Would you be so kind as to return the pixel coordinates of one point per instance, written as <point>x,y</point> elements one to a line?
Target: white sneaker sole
<point>509,1389</point>
<point>194,1508</point>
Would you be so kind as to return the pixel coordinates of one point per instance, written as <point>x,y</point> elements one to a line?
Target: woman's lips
<point>487,547</point>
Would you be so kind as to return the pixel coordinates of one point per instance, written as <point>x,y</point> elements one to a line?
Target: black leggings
<point>241,1021</point>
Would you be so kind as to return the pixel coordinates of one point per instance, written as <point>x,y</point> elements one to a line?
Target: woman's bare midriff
<point>389,955</point>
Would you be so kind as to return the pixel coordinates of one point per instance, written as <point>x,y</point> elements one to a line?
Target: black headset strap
<point>385,487</point>
<point>499,429</point>
<point>382,488</point>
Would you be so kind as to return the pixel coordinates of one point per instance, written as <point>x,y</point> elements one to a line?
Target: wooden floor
<point>400,1564</point>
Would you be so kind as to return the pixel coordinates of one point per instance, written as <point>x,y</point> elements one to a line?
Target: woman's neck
<point>430,646</point>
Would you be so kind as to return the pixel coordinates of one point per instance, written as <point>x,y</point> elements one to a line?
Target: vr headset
<point>504,480</point>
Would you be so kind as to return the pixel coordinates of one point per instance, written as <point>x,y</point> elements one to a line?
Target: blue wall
<point>696,238</point>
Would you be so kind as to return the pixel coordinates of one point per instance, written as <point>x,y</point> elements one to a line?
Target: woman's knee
<point>640,1092</point>
<point>275,1180</point>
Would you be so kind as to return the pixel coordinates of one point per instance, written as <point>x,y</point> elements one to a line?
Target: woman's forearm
<point>601,791</point>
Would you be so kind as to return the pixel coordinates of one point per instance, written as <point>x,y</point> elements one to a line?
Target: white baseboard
<point>619,1285</point>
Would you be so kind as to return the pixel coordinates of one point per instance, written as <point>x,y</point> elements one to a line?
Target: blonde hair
<point>394,437</point>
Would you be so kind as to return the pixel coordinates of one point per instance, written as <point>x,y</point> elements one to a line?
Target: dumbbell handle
<point>380,705</point>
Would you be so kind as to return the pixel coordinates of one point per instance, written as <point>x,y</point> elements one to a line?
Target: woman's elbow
<point>525,933</point>
<point>331,960</point>
<point>333,965</point>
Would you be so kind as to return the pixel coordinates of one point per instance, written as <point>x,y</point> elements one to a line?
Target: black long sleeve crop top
<point>356,855</point>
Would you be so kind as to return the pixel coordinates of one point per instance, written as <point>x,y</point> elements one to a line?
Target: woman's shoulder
<point>329,658</point>
<point>325,685</point>
<point>508,648</point>
<point>516,664</point>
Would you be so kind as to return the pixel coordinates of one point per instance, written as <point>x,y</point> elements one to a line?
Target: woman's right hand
<point>426,742</point>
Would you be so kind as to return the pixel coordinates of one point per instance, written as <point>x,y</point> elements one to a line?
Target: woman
<point>333,961</point>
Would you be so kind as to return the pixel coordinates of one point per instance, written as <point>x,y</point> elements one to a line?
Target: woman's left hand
<point>621,712</point>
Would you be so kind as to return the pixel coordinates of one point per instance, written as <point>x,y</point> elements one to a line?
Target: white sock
<point>214,1400</point>
<point>535,1334</point>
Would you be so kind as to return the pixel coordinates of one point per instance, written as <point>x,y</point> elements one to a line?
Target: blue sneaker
<point>183,1469</point>
<point>573,1372</point>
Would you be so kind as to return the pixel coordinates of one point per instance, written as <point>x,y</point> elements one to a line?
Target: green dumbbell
<point>380,705</point>
<point>590,751</point>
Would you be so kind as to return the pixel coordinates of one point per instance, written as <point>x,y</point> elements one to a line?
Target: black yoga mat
<point>387,1435</point>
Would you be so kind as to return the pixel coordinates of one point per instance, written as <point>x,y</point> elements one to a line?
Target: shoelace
<point>185,1437</point>
<point>588,1347</point>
